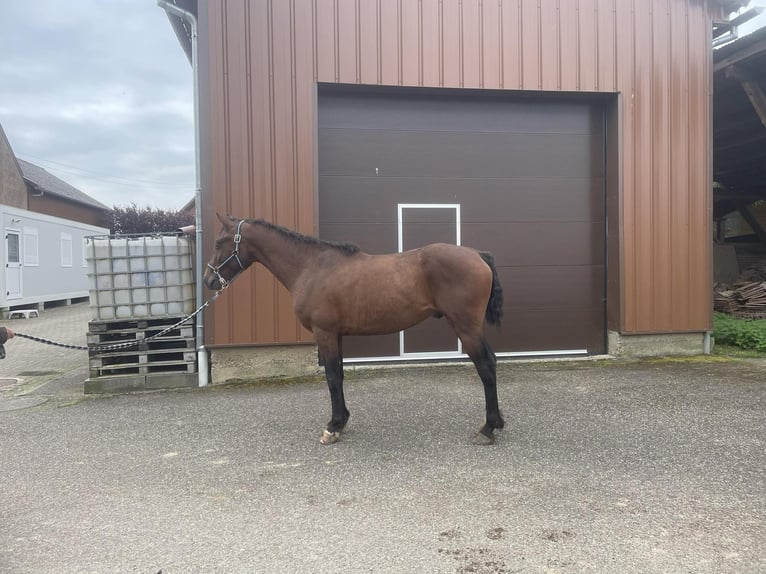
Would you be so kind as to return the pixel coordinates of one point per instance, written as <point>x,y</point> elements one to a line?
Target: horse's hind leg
<point>330,349</point>
<point>485,362</point>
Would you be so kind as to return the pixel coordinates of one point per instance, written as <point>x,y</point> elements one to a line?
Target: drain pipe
<point>202,355</point>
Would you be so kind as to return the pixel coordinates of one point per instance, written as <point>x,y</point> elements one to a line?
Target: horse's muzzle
<point>211,280</point>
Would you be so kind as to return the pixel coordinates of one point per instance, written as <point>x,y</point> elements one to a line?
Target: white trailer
<point>44,259</point>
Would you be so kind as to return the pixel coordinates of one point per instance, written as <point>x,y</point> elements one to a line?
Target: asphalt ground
<point>604,466</point>
<point>30,365</point>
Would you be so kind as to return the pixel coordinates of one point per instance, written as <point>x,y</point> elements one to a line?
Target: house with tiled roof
<point>49,194</point>
<point>43,225</point>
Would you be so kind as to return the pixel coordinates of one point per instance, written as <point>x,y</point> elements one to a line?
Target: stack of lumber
<point>747,299</point>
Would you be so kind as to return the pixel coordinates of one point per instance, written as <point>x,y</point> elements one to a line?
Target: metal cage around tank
<point>140,276</point>
<point>138,285</point>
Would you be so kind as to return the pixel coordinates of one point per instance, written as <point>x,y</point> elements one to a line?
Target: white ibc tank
<point>140,276</point>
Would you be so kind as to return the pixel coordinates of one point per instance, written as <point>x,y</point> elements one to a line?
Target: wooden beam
<point>747,215</point>
<point>738,197</point>
<point>752,89</point>
<point>741,142</point>
<point>744,54</point>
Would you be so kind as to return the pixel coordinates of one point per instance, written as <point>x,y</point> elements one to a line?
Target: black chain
<point>120,345</point>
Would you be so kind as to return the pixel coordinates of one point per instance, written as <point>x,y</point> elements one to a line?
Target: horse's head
<point>228,259</point>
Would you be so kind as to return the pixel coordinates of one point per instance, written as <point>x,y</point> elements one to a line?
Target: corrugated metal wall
<point>261,60</point>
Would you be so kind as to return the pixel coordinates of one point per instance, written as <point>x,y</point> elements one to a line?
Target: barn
<point>570,138</point>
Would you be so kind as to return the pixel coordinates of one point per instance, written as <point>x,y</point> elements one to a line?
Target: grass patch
<point>739,337</point>
<point>736,352</point>
<point>701,359</point>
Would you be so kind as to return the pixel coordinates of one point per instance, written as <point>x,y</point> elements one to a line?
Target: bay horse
<point>339,290</point>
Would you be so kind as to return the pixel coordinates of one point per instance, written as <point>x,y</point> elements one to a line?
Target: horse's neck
<point>283,256</point>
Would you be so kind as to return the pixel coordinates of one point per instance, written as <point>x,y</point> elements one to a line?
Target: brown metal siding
<point>261,147</point>
<point>261,60</point>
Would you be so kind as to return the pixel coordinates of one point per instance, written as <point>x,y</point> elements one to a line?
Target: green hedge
<point>747,334</point>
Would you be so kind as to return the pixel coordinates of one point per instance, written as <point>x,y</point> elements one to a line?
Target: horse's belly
<point>374,295</point>
<point>380,319</point>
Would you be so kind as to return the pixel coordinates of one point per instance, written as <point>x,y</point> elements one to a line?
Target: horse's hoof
<point>481,439</point>
<point>329,437</point>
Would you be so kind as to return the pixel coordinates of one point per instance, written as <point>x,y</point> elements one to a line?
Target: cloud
<point>99,93</point>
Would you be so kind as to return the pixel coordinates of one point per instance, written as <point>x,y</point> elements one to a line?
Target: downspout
<point>202,356</point>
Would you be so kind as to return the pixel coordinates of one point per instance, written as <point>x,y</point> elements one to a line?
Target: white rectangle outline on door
<point>400,227</point>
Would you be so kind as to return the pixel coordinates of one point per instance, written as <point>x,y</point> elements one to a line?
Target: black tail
<point>494,314</point>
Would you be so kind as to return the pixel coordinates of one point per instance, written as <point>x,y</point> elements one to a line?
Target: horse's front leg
<point>332,355</point>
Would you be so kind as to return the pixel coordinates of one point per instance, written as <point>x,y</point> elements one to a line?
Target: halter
<point>234,255</point>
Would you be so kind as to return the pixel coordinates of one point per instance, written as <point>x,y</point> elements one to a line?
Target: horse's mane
<point>345,247</point>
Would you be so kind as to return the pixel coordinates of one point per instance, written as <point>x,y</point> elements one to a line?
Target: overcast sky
<point>99,93</point>
<point>755,23</point>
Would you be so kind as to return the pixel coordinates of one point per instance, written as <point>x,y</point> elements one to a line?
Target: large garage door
<point>527,177</point>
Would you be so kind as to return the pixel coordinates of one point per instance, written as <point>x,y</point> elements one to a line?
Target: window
<point>12,242</point>
<point>84,251</point>
<point>31,248</point>
<point>66,250</point>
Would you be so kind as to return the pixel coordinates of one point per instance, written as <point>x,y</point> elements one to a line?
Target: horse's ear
<point>221,219</point>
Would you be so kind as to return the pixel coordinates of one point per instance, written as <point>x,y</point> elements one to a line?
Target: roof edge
<point>86,201</point>
<point>181,27</point>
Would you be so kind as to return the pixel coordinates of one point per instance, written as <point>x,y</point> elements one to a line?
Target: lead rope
<point>121,345</point>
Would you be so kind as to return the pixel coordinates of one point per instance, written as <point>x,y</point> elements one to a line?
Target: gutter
<point>202,354</point>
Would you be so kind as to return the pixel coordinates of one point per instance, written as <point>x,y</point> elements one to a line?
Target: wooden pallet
<point>136,325</point>
<point>143,363</point>
<point>173,352</point>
